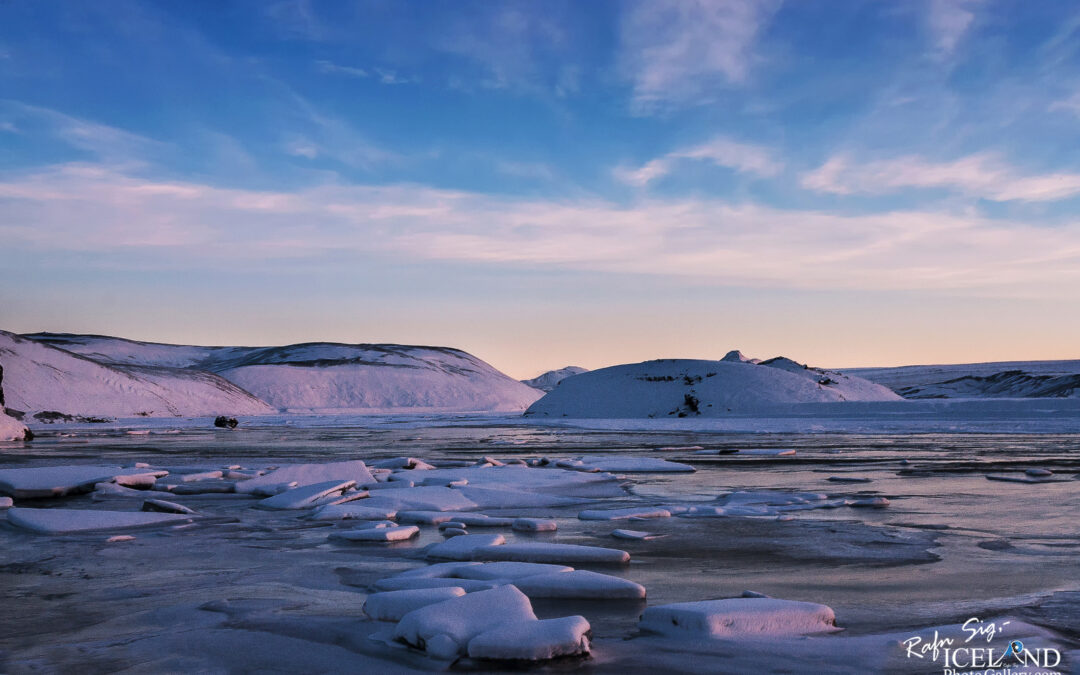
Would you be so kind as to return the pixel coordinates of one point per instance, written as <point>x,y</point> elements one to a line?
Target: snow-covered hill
<point>685,387</point>
<point>325,376</point>
<point>329,377</point>
<point>1003,379</point>
<point>40,378</point>
<point>548,380</point>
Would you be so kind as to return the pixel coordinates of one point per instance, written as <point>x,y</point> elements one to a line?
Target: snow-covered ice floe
<point>54,481</point>
<point>624,514</point>
<point>625,464</point>
<point>421,498</point>
<point>497,624</point>
<point>579,584</point>
<point>393,605</point>
<point>442,517</point>
<point>738,617</point>
<point>463,548</point>
<point>378,534</point>
<point>550,553</point>
<point>351,511</point>
<point>537,580</point>
<point>444,629</point>
<point>534,525</point>
<point>299,475</point>
<point>533,640</point>
<point>635,535</point>
<point>67,521</point>
<point>317,494</point>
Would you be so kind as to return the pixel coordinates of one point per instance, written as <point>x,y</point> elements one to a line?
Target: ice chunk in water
<point>307,474</point>
<point>451,624</point>
<point>310,496</point>
<point>54,481</point>
<point>580,584</point>
<point>625,464</point>
<point>506,570</point>
<point>162,506</point>
<point>533,640</point>
<point>634,534</point>
<point>422,498</point>
<point>393,605</point>
<point>534,525</point>
<point>738,617</point>
<point>65,521</point>
<point>550,553</point>
<point>462,548</point>
<point>622,514</point>
<point>352,511</point>
<point>378,534</point>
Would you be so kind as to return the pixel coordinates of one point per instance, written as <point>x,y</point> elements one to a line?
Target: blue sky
<point>545,183</point>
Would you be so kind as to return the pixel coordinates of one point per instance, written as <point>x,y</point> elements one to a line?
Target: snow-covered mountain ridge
<point>316,377</point>
<point>688,387</point>
<point>1005,379</point>
<point>548,381</point>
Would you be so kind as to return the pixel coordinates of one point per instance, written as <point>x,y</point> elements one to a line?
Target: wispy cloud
<point>948,21</point>
<point>679,51</point>
<point>721,151</point>
<point>983,175</point>
<point>92,208</point>
<point>104,141</point>
<point>330,67</point>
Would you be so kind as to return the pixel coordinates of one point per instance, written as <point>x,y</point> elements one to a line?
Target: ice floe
<point>624,514</point>
<point>352,511</point>
<point>579,584</point>
<point>549,553</point>
<point>163,506</point>
<point>738,617</point>
<point>625,464</point>
<point>463,548</point>
<point>299,475</point>
<point>869,502</point>
<point>316,494</point>
<point>1024,478</point>
<point>421,498</point>
<point>66,521</point>
<point>534,525</point>
<point>533,640</point>
<point>393,605</point>
<point>637,535</point>
<point>504,570</point>
<point>378,534</point>
<point>54,481</point>
<point>445,629</point>
<point>466,519</point>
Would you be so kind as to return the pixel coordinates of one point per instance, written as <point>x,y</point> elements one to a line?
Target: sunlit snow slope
<point>548,380</point>
<point>330,377</point>
<point>1004,379</point>
<point>40,378</point>
<point>685,388</point>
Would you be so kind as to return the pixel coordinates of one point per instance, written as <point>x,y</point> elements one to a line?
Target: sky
<point>548,183</point>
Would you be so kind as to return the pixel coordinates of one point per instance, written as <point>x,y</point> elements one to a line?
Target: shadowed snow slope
<point>685,387</point>
<point>38,378</point>
<point>11,429</point>
<point>1006,379</point>
<point>548,380</point>
<point>329,377</point>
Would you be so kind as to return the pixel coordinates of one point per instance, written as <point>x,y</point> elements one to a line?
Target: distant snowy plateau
<point>55,375</point>
<point>49,377</point>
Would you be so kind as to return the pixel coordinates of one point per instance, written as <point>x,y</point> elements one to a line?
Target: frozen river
<point>251,590</point>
